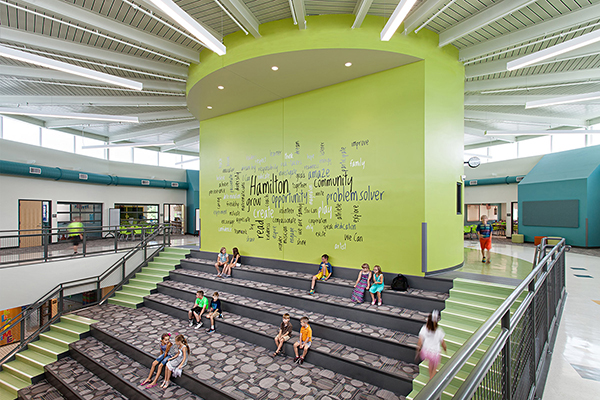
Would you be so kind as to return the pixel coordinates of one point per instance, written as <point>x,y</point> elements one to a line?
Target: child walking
<point>215,310</point>
<point>161,360</point>
<point>484,231</point>
<point>222,259</point>
<point>323,274</point>
<point>304,341</point>
<point>362,284</point>
<point>198,309</point>
<point>377,286</point>
<point>236,259</point>
<point>431,337</point>
<point>284,334</point>
<point>176,363</point>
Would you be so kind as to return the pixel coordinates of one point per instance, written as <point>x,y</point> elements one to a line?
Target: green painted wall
<point>398,132</point>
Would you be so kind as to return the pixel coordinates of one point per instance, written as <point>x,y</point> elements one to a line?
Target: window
<point>133,214</point>
<point>594,140</point>
<point>472,212</point>
<point>19,131</point>
<point>459,198</point>
<point>89,213</point>
<point>57,140</point>
<point>567,142</point>
<point>503,152</point>
<point>535,147</point>
<point>83,141</point>
<point>169,160</point>
<point>193,162</point>
<point>143,156</point>
<point>123,154</point>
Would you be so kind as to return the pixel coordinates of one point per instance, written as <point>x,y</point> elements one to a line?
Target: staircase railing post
<point>46,239</point>
<point>84,242</point>
<point>116,239</point>
<point>506,356</point>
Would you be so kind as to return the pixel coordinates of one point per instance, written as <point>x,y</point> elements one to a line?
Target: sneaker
<point>488,261</point>
<point>281,354</point>
<point>373,303</point>
<point>200,324</point>
<point>211,330</point>
<point>483,260</point>
<point>312,291</point>
<point>301,360</point>
<point>191,322</point>
<point>379,303</point>
<point>220,316</point>
<point>296,360</point>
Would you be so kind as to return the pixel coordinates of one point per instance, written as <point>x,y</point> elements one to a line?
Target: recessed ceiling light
<point>220,87</point>
<point>348,64</point>
<point>209,107</point>
<point>274,67</point>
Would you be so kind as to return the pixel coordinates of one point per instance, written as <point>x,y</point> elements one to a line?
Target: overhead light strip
<point>396,19</point>
<point>93,32</point>
<point>293,12</point>
<point>232,17</point>
<point>434,16</point>
<point>538,133</point>
<point>527,88</point>
<point>94,117</point>
<point>553,51</point>
<point>68,68</point>
<point>577,98</point>
<point>191,25</point>
<point>140,144</point>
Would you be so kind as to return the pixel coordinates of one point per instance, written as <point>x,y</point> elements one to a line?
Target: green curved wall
<point>405,175</point>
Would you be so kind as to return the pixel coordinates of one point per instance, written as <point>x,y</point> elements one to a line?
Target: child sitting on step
<point>323,274</point>
<point>161,360</point>
<point>175,364</point>
<point>236,260</point>
<point>377,286</point>
<point>362,284</point>
<point>304,341</point>
<point>284,334</point>
<point>198,309</point>
<point>222,260</point>
<point>431,337</point>
<point>215,311</point>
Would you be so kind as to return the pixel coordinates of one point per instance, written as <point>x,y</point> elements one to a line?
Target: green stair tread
<point>59,336</point>
<point>49,346</point>
<point>37,357</point>
<point>161,266</point>
<point>135,299</point>
<point>79,318</point>
<point>6,395</point>
<point>135,291</point>
<point>142,283</point>
<point>77,329</point>
<point>148,278</point>
<point>122,303</point>
<point>25,369</point>
<point>154,272</point>
<point>12,381</point>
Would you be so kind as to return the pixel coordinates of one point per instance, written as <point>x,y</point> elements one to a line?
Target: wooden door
<point>30,217</point>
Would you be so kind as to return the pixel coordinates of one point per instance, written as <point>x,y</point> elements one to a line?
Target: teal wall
<point>593,191</point>
<point>192,199</point>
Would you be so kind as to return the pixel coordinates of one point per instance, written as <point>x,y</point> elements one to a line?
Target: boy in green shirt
<point>198,309</point>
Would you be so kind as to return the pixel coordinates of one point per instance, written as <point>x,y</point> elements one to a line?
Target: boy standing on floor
<point>484,231</point>
<point>198,309</point>
<point>323,274</point>
<point>304,341</point>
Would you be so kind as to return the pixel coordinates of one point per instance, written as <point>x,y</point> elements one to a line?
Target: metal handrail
<point>58,290</point>
<point>442,379</point>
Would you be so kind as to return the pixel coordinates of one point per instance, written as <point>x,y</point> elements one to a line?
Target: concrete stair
<point>132,294</point>
<point>470,304</point>
<point>28,366</point>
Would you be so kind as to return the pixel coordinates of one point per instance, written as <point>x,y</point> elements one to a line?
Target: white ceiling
<point>117,37</point>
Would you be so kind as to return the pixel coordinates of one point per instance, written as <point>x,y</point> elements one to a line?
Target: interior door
<point>30,217</point>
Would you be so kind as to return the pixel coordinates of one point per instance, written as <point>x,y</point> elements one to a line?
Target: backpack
<point>400,283</point>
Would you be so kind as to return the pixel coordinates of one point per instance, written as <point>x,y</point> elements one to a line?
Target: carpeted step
<point>386,372</point>
<point>42,390</point>
<point>224,363</point>
<point>76,381</point>
<point>407,320</point>
<point>368,337</point>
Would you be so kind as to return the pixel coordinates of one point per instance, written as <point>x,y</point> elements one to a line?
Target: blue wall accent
<point>192,199</point>
<point>568,175</point>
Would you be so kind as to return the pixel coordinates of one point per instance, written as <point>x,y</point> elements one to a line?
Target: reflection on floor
<point>575,367</point>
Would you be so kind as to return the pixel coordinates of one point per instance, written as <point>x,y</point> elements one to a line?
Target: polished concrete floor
<point>575,367</point>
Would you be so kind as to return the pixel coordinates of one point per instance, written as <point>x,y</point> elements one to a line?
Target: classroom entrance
<point>33,216</point>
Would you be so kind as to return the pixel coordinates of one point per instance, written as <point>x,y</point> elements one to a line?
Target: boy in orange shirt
<point>304,341</point>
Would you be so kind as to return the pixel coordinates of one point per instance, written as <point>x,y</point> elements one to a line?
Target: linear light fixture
<point>576,98</point>
<point>68,68</point>
<point>92,117</point>
<point>538,133</point>
<point>553,51</point>
<point>190,25</point>
<point>141,144</point>
<point>590,82</point>
<point>396,19</point>
<point>187,161</point>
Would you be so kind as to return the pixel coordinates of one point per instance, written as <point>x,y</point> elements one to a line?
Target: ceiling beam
<point>136,134</point>
<point>148,117</point>
<point>118,101</point>
<point>501,100</point>
<point>43,73</point>
<point>114,27</point>
<point>499,66</point>
<point>481,133</point>
<point>542,29</point>
<point>300,13</point>
<point>361,10</point>
<point>542,119</point>
<point>106,56</point>
<point>482,18</point>
<point>421,14</point>
<point>244,16</point>
<point>532,80</point>
<point>188,140</point>
<point>593,121</point>
<point>65,123</point>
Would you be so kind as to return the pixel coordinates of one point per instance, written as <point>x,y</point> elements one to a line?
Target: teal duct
<point>494,181</point>
<point>59,174</point>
